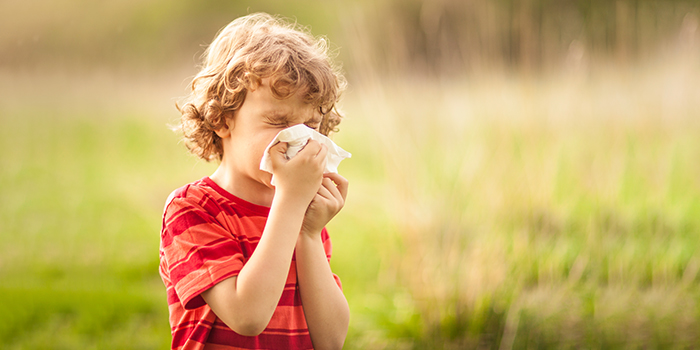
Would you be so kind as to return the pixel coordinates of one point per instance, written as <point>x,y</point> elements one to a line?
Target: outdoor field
<point>503,210</point>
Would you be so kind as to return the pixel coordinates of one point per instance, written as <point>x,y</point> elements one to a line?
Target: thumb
<point>278,152</point>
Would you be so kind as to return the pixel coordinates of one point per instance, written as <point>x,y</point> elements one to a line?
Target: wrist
<point>291,200</point>
<point>311,233</point>
<point>307,238</point>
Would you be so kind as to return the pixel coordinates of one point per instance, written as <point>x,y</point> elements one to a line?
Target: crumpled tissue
<point>296,138</point>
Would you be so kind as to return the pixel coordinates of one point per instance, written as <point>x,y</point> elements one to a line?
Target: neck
<point>242,186</point>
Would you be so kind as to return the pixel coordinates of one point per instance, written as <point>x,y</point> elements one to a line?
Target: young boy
<point>245,263</point>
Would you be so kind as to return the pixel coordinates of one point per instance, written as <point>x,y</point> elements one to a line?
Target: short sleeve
<point>198,251</point>
<point>328,247</point>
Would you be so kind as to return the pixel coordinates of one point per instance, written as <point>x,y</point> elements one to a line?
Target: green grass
<point>549,214</point>
<point>81,200</point>
<point>493,213</point>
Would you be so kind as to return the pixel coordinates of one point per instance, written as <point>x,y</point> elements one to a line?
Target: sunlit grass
<point>82,193</point>
<point>497,212</point>
<point>560,212</point>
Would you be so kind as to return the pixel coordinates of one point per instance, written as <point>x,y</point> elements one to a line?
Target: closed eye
<point>277,123</point>
<point>276,119</point>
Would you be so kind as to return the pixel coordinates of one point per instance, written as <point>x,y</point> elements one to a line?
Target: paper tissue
<point>297,137</point>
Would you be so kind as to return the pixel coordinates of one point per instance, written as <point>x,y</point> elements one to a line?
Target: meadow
<point>494,211</point>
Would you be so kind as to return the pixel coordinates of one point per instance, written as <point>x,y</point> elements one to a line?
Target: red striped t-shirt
<point>207,236</point>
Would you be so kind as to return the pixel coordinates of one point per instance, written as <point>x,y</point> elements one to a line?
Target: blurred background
<point>525,174</point>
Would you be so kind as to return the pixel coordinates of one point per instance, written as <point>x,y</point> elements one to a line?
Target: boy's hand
<point>327,202</point>
<point>301,176</point>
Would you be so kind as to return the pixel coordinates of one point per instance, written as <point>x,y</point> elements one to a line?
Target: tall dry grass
<point>552,212</point>
<point>449,37</point>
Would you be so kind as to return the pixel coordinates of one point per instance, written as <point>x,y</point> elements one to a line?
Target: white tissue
<point>297,137</point>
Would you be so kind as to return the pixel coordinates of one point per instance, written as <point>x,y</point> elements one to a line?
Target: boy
<point>246,264</point>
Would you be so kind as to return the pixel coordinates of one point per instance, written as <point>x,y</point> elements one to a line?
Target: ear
<point>225,131</point>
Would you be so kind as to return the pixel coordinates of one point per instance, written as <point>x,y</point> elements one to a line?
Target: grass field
<point>497,212</point>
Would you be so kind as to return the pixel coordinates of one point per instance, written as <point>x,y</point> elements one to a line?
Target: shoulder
<point>193,208</point>
<point>193,199</point>
<point>192,194</point>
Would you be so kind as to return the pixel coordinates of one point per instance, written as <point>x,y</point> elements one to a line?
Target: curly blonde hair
<point>249,49</point>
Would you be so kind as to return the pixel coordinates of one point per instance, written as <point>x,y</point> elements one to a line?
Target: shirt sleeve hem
<point>192,298</point>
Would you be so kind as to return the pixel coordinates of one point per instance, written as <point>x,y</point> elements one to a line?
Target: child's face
<point>255,125</point>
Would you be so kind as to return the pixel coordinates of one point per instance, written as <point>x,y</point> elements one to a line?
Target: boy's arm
<point>246,302</point>
<point>325,307</point>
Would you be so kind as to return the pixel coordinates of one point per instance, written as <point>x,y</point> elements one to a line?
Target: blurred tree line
<point>449,36</point>
<point>150,34</point>
<point>436,36</point>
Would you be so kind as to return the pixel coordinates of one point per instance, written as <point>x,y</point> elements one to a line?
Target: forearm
<point>325,306</point>
<point>262,279</point>
<point>246,303</point>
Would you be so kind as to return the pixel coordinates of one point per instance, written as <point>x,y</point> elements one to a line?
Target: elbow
<point>248,327</point>
<point>249,330</point>
<point>335,340</point>
<point>244,321</point>
<point>338,344</point>
<point>330,344</point>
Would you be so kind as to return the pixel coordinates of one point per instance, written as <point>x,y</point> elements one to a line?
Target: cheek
<point>265,139</point>
<point>252,148</point>
<point>258,149</point>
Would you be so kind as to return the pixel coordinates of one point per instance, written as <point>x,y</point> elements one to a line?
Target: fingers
<point>328,201</point>
<point>313,153</point>
<point>279,147</point>
<point>278,153</point>
<point>341,183</point>
<point>328,197</point>
<point>328,190</point>
<point>322,152</point>
<point>314,149</point>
